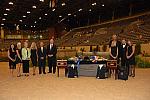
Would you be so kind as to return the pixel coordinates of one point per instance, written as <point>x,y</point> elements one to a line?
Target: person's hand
<point>13,60</point>
<point>42,58</point>
<point>50,55</point>
<point>128,57</point>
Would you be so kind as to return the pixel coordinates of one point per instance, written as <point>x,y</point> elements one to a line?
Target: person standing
<point>131,59</point>
<point>123,50</point>
<point>33,49</point>
<point>12,58</point>
<point>26,53</point>
<point>114,48</point>
<point>51,54</point>
<point>19,59</point>
<point>41,58</point>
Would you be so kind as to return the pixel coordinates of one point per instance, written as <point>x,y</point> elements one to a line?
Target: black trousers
<point>25,66</point>
<point>42,66</point>
<point>52,64</point>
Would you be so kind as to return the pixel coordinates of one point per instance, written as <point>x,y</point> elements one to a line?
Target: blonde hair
<point>19,45</point>
<point>33,46</point>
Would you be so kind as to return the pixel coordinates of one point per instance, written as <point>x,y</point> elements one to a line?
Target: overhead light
<point>93,4</point>
<point>40,18</point>
<point>90,10</point>
<point>20,20</point>
<point>3,19</point>
<point>63,4</point>
<point>42,0</point>
<point>75,15</point>
<point>45,14</point>
<point>69,14</point>
<point>53,9</point>
<point>25,25</point>
<point>80,10</point>
<point>5,14</point>
<point>7,9</point>
<point>2,24</point>
<point>28,12</point>
<point>35,22</point>
<point>60,16</point>
<point>11,3</point>
<point>23,16</point>
<point>33,6</point>
<point>103,5</point>
<point>31,26</point>
<point>34,26</point>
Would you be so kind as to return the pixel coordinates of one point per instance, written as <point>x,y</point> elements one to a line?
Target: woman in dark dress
<point>114,49</point>
<point>12,58</point>
<point>131,59</point>
<point>34,56</point>
<point>19,59</point>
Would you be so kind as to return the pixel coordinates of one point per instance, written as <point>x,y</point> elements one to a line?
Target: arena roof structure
<point>40,14</point>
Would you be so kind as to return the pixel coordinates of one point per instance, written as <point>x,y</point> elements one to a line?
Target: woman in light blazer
<point>26,53</point>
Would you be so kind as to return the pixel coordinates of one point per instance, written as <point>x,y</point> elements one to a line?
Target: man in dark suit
<point>51,54</point>
<point>42,58</point>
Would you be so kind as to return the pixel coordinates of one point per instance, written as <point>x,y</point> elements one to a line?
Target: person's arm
<point>29,53</point>
<point>133,50</point>
<point>18,54</point>
<point>23,54</point>
<point>10,57</point>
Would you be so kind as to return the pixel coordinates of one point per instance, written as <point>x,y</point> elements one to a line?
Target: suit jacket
<point>41,54</point>
<point>53,51</point>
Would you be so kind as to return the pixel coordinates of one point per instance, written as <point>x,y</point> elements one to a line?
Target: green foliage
<point>104,48</point>
<point>138,48</point>
<point>141,63</point>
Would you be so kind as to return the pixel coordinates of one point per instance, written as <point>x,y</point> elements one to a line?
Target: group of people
<point>20,56</point>
<point>123,52</point>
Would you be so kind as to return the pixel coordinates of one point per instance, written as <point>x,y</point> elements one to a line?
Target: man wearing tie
<point>51,53</point>
<point>41,58</point>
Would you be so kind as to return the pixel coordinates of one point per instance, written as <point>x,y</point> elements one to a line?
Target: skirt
<point>25,66</point>
<point>12,65</point>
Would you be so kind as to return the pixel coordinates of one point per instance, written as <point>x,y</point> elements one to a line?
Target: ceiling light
<point>7,9</point>
<point>93,4</point>
<point>103,5</point>
<point>42,0</point>
<point>28,12</point>
<point>40,18</point>
<point>80,9</point>
<point>69,14</point>
<point>35,22</point>
<point>90,10</point>
<point>53,9</point>
<point>25,25</point>
<point>3,19</point>
<point>45,14</point>
<point>2,24</point>
<point>63,4</point>
<point>34,26</point>
<point>20,20</point>
<point>11,3</point>
<point>5,14</point>
<point>31,26</point>
<point>33,6</point>
<point>60,16</point>
<point>75,15</point>
<point>23,16</point>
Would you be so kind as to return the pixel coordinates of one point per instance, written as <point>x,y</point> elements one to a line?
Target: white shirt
<point>51,45</point>
<point>42,49</point>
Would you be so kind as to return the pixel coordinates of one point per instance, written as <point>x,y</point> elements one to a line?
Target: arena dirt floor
<point>51,87</point>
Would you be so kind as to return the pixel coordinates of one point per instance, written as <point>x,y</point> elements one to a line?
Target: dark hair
<point>13,48</point>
